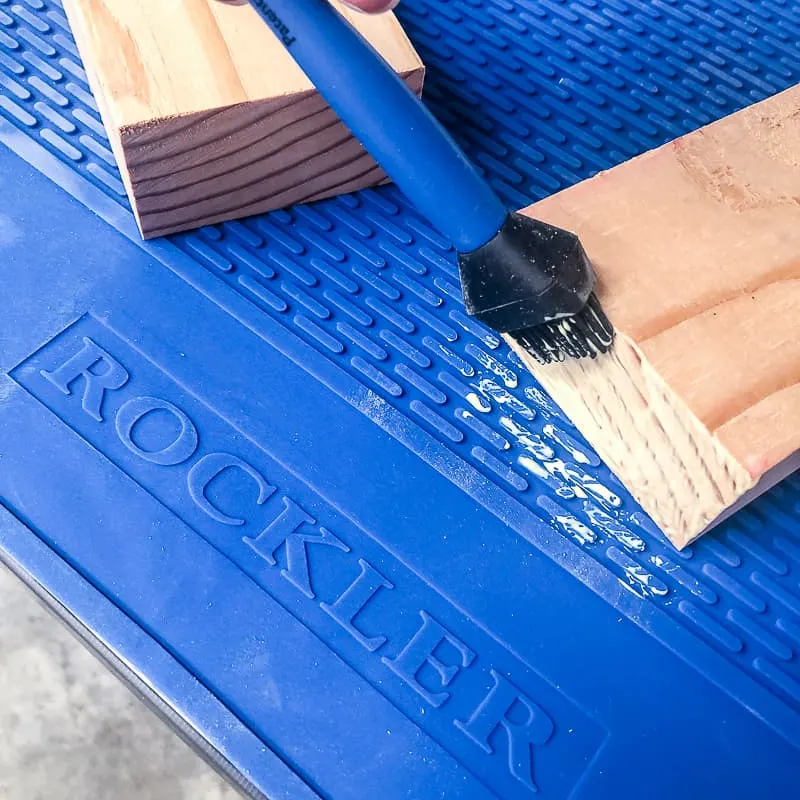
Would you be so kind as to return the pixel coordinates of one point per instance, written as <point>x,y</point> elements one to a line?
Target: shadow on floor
<point>71,730</point>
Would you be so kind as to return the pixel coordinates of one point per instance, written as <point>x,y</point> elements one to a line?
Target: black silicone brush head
<point>586,334</point>
<point>534,281</point>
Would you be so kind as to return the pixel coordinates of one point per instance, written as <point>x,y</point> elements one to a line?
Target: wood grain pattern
<point>208,116</point>
<point>697,250</point>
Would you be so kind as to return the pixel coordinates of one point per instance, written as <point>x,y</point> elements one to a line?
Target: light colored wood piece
<point>697,250</point>
<point>208,116</point>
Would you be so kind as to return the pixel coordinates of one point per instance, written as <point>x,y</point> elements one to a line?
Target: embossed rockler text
<point>429,661</point>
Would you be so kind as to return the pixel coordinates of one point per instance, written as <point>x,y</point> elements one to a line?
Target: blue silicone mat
<point>327,524</point>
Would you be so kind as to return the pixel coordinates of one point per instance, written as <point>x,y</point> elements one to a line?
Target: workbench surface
<point>327,524</point>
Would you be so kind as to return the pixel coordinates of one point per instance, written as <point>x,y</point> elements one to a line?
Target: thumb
<point>367,6</point>
<point>371,6</point>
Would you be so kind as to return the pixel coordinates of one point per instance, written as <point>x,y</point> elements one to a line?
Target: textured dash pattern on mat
<point>541,94</point>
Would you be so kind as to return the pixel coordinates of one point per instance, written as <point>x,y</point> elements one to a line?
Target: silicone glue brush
<point>518,275</point>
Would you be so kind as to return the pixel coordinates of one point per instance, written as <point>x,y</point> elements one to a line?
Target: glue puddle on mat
<point>559,459</point>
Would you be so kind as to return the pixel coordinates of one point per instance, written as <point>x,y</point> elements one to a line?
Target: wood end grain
<point>675,468</point>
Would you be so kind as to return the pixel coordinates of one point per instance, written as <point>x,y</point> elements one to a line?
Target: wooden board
<point>697,250</point>
<point>209,117</point>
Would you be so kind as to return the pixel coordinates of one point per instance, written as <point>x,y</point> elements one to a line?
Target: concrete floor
<point>70,729</point>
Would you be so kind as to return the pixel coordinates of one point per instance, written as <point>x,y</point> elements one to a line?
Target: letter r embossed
<point>496,710</point>
<point>80,365</point>
<point>420,651</point>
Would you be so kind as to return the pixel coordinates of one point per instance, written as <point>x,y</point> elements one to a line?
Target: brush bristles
<point>585,335</point>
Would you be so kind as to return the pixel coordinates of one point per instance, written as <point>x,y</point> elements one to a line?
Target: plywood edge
<point>675,468</point>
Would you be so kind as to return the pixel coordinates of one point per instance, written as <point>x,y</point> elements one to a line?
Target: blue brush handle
<point>388,119</point>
